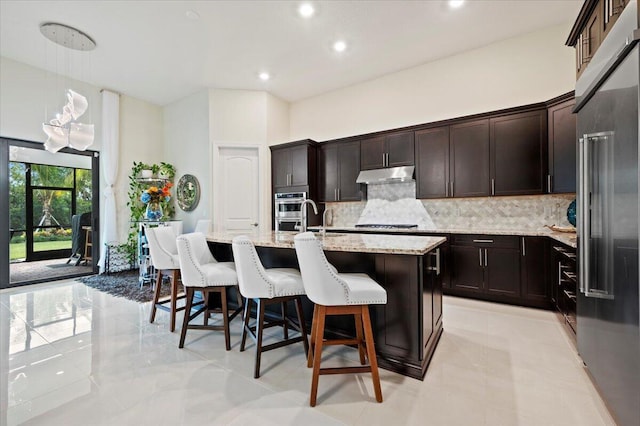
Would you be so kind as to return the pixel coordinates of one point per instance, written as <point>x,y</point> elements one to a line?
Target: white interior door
<point>240,189</point>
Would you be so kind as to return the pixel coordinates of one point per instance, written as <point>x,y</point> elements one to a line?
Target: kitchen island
<point>408,327</point>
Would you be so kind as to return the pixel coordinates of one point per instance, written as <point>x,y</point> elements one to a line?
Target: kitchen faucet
<point>303,209</point>
<point>324,220</point>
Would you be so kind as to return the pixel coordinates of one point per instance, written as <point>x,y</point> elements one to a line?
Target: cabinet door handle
<point>387,159</point>
<point>480,256</point>
<point>524,248</point>
<point>435,268</point>
<point>338,194</point>
<point>482,241</point>
<point>383,160</point>
<point>485,258</point>
<point>452,188</point>
<point>549,184</point>
<point>493,186</point>
<point>446,190</point>
<point>335,194</point>
<point>559,274</point>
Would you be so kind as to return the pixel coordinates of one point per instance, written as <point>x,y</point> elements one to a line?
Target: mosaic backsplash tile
<point>521,212</point>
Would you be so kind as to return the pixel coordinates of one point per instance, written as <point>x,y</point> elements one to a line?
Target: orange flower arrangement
<point>155,194</point>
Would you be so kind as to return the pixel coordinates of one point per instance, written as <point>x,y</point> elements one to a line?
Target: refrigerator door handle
<point>584,215</point>
<point>582,236</point>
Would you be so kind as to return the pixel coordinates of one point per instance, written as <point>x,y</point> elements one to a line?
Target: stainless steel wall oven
<point>288,210</point>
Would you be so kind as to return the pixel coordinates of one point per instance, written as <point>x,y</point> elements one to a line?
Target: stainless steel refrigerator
<point>608,304</point>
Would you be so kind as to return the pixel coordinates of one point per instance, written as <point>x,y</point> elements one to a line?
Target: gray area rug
<point>124,284</point>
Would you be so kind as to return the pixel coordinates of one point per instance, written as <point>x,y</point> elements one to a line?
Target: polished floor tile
<point>71,355</point>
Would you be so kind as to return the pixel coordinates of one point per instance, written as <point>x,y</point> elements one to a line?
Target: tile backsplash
<point>521,212</point>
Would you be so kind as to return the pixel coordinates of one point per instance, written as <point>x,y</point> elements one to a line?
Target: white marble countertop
<point>563,237</point>
<point>359,243</point>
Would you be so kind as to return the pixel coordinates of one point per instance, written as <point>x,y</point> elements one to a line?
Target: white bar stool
<point>201,272</point>
<point>164,257</point>
<point>337,294</point>
<point>267,287</point>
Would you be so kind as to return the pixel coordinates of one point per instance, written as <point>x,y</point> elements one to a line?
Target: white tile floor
<point>71,355</point>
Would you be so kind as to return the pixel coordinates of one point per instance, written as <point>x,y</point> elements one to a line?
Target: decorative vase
<point>154,211</point>
<point>571,213</point>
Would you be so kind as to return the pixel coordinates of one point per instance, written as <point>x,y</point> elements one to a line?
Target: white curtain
<point>109,154</point>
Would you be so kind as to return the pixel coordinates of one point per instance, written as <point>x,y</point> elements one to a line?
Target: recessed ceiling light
<point>306,10</point>
<point>192,14</point>
<point>454,4</point>
<point>264,76</point>
<point>339,46</point>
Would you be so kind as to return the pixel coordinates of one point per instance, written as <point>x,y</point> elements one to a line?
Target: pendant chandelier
<point>65,130</point>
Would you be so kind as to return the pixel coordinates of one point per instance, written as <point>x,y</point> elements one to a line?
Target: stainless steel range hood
<point>389,175</point>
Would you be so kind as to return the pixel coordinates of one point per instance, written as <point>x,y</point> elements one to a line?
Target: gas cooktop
<point>387,226</point>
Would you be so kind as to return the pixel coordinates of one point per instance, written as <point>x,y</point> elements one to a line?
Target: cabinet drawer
<point>506,241</point>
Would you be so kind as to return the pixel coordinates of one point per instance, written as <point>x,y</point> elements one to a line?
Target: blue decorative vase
<point>154,211</point>
<point>571,213</point>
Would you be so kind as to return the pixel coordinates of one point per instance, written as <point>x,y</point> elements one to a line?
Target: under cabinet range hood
<point>389,175</point>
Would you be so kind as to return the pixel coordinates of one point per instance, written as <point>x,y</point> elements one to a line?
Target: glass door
<point>50,204</point>
<point>52,210</point>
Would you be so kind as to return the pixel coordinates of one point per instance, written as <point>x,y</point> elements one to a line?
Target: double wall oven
<point>288,210</point>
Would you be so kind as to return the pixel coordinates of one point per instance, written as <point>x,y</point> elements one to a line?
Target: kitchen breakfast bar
<point>408,327</point>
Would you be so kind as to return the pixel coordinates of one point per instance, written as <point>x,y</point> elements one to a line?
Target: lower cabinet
<point>414,296</point>
<point>564,283</point>
<point>535,271</point>
<point>485,266</point>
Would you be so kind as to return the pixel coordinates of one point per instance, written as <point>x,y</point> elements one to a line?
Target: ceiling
<point>151,50</point>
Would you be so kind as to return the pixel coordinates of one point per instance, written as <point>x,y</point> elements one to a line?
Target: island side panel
<point>432,306</point>
<point>398,323</point>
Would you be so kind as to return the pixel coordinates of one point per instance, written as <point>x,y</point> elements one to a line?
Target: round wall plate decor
<point>188,192</point>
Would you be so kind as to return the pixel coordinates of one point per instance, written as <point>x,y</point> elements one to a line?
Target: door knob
<point>254,224</point>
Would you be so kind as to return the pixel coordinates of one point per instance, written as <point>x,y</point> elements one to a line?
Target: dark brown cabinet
<point>485,265</point>
<point>293,164</point>
<point>338,168</point>
<point>562,147</point>
<point>414,295</point>
<point>466,268</point>
<point>502,271</point>
<point>611,9</point>
<point>469,159</point>
<point>391,150</point>
<point>518,153</point>
<point>535,268</point>
<point>595,20</point>
<point>432,163</point>
<point>564,283</point>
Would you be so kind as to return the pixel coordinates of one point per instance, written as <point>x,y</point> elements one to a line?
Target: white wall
<point>527,69</point>
<point>141,139</point>
<point>249,119</point>
<point>277,120</point>
<point>29,96</point>
<point>25,93</point>
<point>186,146</point>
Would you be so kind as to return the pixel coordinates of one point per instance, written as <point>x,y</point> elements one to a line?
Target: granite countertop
<point>359,243</point>
<point>563,237</point>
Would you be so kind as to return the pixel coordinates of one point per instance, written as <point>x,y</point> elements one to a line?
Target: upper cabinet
<point>469,162</point>
<point>518,153</point>
<point>293,165</point>
<point>562,145</point>
<point>504,154</point>
<point>432,163</point>
<point>595,20</point>
<point>391,150</point>
<point>338,168</point>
